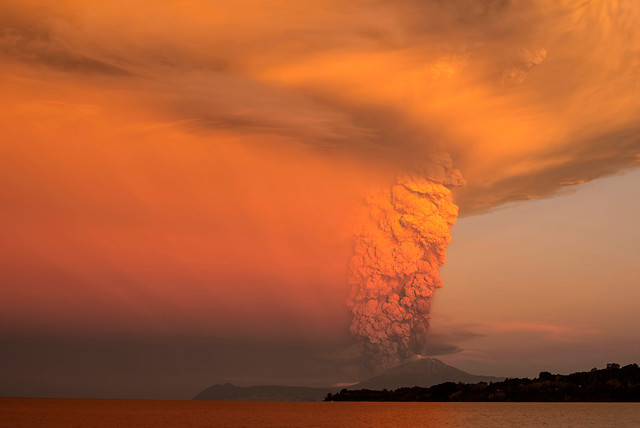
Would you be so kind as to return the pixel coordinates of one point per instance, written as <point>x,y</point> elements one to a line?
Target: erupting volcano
<point>400,243</point>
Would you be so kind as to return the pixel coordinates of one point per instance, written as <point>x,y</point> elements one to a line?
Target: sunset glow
<point>200,168</point>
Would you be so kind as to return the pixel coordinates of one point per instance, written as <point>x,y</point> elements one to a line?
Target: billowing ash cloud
<point>526,97</point>
<point>400,243</point>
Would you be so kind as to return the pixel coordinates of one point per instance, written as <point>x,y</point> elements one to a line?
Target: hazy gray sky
<point>550,283</point>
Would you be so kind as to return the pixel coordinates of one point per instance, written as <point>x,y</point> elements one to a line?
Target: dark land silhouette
<point>612,384</point>
<point>232,392</point>
<point>420,371</point>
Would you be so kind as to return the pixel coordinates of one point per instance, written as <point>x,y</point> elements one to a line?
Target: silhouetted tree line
<point>611,384</point>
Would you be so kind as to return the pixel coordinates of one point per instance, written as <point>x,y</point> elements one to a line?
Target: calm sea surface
<point>18,412</point>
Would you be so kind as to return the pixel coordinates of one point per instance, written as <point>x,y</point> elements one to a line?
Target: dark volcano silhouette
<point>420,371</point>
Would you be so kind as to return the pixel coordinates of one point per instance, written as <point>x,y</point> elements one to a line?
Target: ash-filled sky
<point>180,185</point>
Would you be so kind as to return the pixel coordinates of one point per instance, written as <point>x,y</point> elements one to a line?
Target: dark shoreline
<point>613,384</point>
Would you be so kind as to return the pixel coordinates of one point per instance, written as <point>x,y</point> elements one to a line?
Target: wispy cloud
<point>554,330</point>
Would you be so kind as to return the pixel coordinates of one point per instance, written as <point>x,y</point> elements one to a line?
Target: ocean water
<point>20,412</point>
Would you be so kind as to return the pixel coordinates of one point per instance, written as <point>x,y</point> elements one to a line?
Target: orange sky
<point>195,166</point>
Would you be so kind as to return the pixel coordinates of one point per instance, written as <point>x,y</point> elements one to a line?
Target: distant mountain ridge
<point>230,392</point>
<point>423,372</point>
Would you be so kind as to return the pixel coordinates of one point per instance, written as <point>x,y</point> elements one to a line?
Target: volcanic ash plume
<point>399,246</point>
